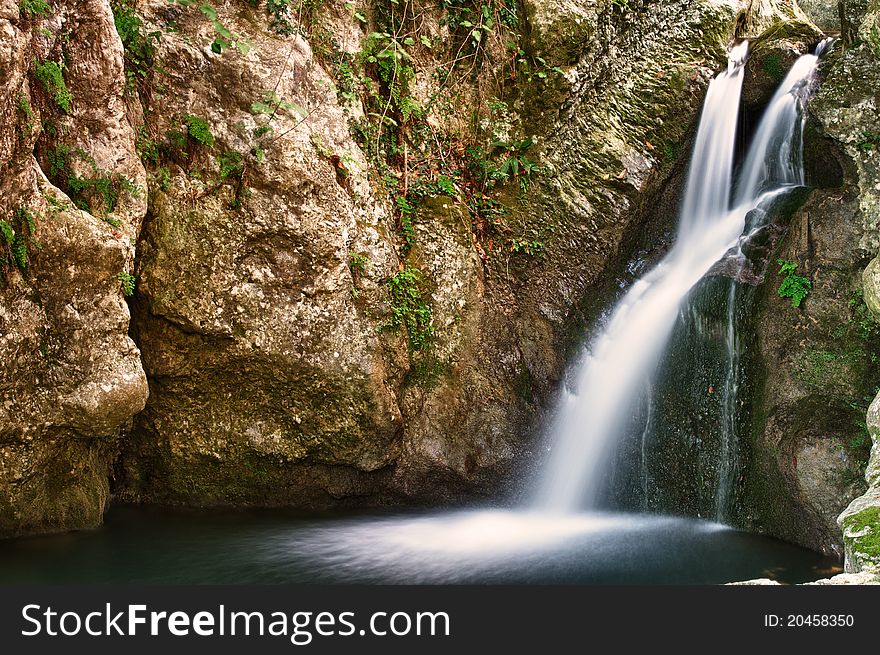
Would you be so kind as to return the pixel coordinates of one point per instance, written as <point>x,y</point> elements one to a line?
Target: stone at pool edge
<point>863,578</point>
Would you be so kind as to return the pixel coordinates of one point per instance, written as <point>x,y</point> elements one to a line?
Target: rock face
<point>267,319</point>
<point>860,521</point>
<point>69,374</point>
<point>810,442</point>
<point>823,13</point>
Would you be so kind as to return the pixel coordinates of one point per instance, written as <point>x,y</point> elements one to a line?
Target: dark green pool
<point>455,546</point>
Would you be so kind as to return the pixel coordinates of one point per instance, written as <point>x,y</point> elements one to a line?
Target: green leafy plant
<point>98,192</point>
<point>128,281</point>
<point>26,113</point>
<point>15,241</point>
<point>868,141</point>
<point>795,287</point>
<point>279,12</point>
<point>270,104</point>
<point>357,263</point>
<point>34,8</point>
<point>139,47</point>
<point>51,75</point>
<point>231,165</point>
<point>861,318</point>
<point>407,215</point>
<point>147,149</point>
<point>198,130</point>
<point>163,178</point>
<point>409,308</point>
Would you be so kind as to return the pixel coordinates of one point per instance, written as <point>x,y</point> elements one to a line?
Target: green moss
<point>868,522</point>
<point>773,66</point>
<point>820,368</point>
<point>426,372</point>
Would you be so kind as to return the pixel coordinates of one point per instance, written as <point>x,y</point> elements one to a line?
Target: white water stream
<point>624,356</point>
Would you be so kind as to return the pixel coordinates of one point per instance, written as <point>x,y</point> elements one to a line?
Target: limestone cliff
<point>373,299</point>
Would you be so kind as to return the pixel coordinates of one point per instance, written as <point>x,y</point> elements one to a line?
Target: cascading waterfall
<point>618,363</point>
<point>728,458</point>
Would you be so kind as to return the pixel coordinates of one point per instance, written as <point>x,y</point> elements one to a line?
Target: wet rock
<point>820,358</point>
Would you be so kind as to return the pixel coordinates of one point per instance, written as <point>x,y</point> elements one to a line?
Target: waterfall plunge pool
<point>482,546</point>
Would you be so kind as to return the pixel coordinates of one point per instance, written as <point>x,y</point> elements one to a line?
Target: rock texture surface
<point>810,439</point>
<point>864,578</point>
<point>69,374</point>
<point>274,378</point>
<point>860,521</point>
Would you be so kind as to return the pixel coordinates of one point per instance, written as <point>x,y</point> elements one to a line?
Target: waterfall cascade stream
<point>717,218</point>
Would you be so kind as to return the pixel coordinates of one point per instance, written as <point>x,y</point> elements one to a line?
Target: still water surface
<point>492,546</point>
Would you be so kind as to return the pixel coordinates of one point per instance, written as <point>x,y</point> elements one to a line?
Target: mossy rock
<point>772,55</point>
<point>861,533</point>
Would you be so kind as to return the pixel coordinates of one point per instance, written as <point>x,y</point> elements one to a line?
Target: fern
<point>199,130</point>
<point>795,287</point>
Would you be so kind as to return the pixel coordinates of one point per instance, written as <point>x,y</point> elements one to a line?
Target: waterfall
<point>618,363</point>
